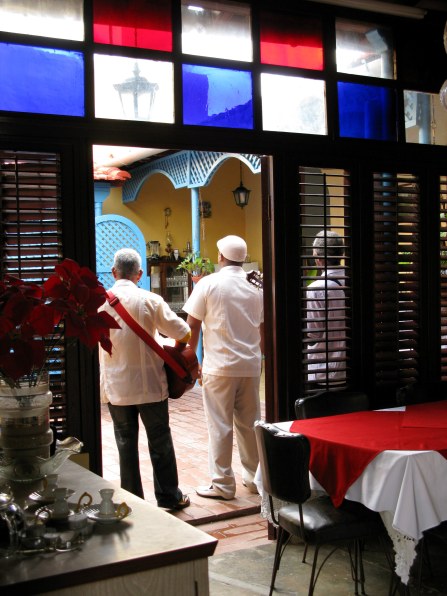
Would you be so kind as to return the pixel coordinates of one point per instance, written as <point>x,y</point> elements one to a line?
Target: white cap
<point>233,248</point>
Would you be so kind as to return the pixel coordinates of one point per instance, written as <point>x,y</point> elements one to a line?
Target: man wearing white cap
<point>230,312</point>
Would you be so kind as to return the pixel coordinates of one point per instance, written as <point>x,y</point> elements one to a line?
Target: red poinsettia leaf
<point>96,298</point>
<point>43,319</point>
<point>18,308</point>
<point>55,288</point>
<point>106,344</point>
<point>5,325</point>
<point>88,277</point>
<point>18,357</point>
<point>67,269</point>
<point>108,320</point>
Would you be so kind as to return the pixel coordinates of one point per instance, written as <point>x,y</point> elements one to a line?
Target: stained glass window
<point>47,18</point>
<point>217,97</point>
<point>135,23</point>
<point>293,104</point>
<point>133,89</point>
<point>217,29</point>
<point>41,80</point>
<point>364,49</point>
<point>366,112</point>
<point>295,41</point>
<point>425,119</point>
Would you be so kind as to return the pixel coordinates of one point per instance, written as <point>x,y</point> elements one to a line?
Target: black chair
<point>331,403</point>
<point>284,462</point>
<point>420,392</point>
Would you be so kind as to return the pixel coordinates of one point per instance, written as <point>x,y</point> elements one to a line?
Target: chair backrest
<point>331,403</point>
<point>420,392</point>
<point>284,462</point>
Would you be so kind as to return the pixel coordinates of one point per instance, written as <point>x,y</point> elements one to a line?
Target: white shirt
<point>326,321</point>
<point>134,374</point>
<point>231,310</point>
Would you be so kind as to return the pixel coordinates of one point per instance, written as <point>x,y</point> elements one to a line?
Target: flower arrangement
<point>34,319</point>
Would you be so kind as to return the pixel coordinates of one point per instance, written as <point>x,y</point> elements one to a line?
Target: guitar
<point>256,278</point>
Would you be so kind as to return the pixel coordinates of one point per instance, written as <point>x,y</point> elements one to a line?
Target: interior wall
<point>147,212</point>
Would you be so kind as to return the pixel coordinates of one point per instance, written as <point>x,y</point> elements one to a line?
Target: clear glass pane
<point>63,19</point>
<point>293,104</point>
<point>425,119</point>
<point>364,49</point>
<point>41,80</point>
<point>131,89</point>
<point>217,29</point>
<point>366,112</point>
<point>217,97</point>
<point>140,24</point>
<point>295,41</point>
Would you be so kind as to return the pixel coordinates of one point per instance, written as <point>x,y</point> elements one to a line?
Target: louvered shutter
<point>31,230</point>
<point>443,275</point>
<point>325,198</point>
<point>396,278</point>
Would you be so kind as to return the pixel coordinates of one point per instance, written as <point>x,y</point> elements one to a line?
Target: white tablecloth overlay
<point>408,489</point>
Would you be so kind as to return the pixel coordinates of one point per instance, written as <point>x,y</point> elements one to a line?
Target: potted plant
<point>34,321</point>
<point>196,266</point>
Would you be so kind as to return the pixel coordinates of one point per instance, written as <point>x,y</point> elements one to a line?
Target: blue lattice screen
<point>112,233</point>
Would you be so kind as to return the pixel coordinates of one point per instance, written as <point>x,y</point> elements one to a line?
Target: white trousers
<point>227,400</point>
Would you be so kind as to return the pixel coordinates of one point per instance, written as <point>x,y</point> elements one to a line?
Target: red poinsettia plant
<point>34,319</point>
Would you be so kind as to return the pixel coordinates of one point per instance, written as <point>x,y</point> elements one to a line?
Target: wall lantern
<point>241,194</point>
<point>137,96</point>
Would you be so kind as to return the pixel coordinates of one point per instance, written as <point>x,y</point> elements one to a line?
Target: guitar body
<point>187,359</point>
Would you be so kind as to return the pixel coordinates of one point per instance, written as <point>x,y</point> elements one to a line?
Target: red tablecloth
<point>342,446</point>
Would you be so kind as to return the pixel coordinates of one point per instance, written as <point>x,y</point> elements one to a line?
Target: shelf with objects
<point>174,285</point>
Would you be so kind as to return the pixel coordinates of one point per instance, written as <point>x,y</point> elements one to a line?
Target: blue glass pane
<point>41,80</point>
<point>217,97</point>
<point>366,112</point>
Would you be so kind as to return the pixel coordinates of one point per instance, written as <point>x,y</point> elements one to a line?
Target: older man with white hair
<point>134,384</point>
<point>230,312</point>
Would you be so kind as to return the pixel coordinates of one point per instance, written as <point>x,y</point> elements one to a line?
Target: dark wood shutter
<point>31,230</point>
<point>396,278</point>
<point>443,274</point>
<point>325,198</point>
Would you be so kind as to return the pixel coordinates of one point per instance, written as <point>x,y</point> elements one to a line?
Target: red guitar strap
<point>144,335</point>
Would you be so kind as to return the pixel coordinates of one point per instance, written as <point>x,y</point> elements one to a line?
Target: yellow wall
<point>147,212</point>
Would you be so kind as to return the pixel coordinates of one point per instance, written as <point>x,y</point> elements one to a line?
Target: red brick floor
<point>236,523</point>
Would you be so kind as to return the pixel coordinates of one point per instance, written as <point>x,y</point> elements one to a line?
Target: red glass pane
<point>291,41</point>
<point>133,23</point>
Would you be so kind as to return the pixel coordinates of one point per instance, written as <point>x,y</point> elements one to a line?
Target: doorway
<point>163,213</point>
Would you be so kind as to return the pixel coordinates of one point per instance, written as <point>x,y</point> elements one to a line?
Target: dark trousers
<point>155,417</point>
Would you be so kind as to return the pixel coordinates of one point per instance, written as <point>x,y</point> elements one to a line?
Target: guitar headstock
<point>256,278</point>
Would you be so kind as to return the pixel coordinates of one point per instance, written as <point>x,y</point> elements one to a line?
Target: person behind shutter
<point>326,313</point>
<point>133,383</point>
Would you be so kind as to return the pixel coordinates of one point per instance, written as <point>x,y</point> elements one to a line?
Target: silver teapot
<point>13,517</point>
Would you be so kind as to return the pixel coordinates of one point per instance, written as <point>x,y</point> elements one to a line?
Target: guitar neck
<point>256,278</point>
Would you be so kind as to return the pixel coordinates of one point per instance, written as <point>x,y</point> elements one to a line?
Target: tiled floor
<point>236,523</point>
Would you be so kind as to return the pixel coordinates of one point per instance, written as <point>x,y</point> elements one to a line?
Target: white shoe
<point>211,492</point>
<point>251,487</point>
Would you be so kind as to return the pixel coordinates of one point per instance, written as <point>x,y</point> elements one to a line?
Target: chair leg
<point>281,543</point>
<point>313,579</point>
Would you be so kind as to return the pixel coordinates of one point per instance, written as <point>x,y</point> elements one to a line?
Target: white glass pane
<point>425,119</point>
<point>131,89</point>
<point>217,29</point>
<point>364,49</point>
<point>62,19</point>
<point>293,104</point>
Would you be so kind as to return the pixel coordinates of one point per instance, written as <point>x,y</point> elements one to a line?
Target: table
<point>151,551</point>
<point>384,460</point>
